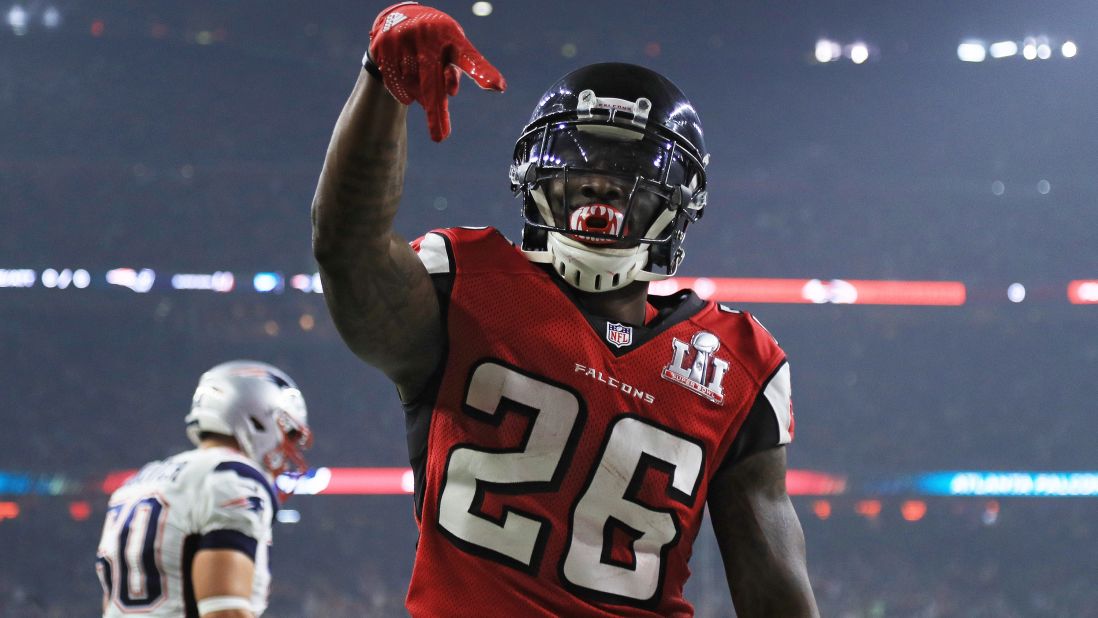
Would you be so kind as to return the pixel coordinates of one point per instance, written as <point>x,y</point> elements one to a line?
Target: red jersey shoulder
<point>757,351</point>
<point>468,249</point>
<point>469,235</point>
<point>743,337</point>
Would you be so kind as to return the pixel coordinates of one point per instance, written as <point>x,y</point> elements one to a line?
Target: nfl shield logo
<point>619,334</point>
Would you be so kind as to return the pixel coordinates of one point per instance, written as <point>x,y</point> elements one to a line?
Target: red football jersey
<point>562,461</point>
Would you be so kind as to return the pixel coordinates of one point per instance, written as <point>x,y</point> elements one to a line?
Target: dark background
<point>188,136</point>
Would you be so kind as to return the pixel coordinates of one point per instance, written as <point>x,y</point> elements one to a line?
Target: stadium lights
<point>1003,49</point>
<point>17,19</point>
<point>1083,292</point>
<point>288,516</point>
<point>268,282</point>
<point>1016,292</point>
<point>1044,50</point>
<point>78,278</point>
<point>51,18</point>
<point>8,510</point>
<point>482,9</point>
<point>30,484</point>
<point>836,291</point>
<point>991,513</point>
<point>818,291</point>
<point>913,510</point>
<point>17,278</point>
<point>870,509</point>
<point>828,50</point>
<point>858,53</point>
<point>138,281</point>
<point>219,281</point>
<point>1031,48</point>
<point>911,293</point>
<point>80,510</point>
<point>971,51</point>
<point>307,283</point>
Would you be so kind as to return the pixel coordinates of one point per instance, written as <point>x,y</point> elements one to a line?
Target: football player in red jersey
<point>566,428</point>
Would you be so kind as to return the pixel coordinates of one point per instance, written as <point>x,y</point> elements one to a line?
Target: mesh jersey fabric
<point>561,475</point>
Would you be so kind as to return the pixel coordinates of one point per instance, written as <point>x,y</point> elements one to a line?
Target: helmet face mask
<point>611,170</point>
<point>260,407</point>
<point>634,175</point>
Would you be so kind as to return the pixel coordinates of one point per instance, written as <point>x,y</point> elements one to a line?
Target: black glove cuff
<point>371,68</point>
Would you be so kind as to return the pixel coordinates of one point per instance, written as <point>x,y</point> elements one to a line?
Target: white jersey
<point>210,498</point>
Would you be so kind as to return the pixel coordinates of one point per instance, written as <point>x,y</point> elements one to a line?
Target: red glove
<point>421,53</point>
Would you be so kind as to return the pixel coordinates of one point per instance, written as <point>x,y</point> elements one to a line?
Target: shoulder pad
<point>434,251</point>
<point>243,470</point>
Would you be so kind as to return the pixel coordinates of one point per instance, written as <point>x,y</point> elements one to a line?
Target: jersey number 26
<point>607,505</point>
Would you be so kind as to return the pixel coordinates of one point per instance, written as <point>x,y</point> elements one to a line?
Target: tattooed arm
<point>378,292</point>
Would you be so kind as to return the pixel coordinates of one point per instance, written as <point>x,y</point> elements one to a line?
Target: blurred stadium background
<point>904,192</point>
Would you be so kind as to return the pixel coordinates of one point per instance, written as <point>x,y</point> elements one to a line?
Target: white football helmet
<point>258,405</point>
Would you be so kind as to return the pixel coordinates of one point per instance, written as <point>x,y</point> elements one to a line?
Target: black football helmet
<point>610,129</point>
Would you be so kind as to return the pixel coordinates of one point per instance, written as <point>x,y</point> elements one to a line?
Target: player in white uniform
<point>189,535</point>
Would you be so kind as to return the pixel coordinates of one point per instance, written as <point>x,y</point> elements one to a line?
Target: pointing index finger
<point>476,66</point>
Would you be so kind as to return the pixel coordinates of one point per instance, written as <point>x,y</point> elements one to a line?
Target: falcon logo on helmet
<point>611,170</point>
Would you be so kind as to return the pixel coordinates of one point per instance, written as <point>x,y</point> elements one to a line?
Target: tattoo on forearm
<point>372,178</point>
<point>359,196</point>
<point>378,293</point>
<point>382,310</point>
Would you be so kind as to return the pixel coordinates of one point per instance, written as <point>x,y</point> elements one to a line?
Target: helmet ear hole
<point>256,424</point>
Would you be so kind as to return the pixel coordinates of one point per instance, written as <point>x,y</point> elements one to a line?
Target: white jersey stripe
<point>778,393</point>
<point>432,252</point>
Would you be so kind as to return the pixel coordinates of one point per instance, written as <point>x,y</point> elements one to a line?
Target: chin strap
<point>592,269</point>
<point>589,269</point>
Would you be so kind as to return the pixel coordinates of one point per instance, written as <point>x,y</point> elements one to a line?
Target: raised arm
<point>760,538</point>
<point>379,294</point>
